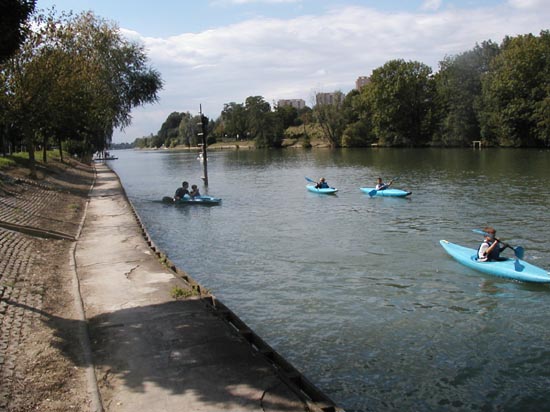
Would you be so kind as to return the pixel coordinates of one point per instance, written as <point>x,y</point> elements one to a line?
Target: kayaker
<point>322,184</point>
<point>194,191</point>
<point>490,248</point>
<point>182,191</point>
<point>381,185</point>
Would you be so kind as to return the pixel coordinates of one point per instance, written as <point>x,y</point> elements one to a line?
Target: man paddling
<point>181,191</point>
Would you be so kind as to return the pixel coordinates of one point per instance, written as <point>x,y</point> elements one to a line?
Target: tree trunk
<point>45,150</point>
<point>32,161</point>
<point>60,148</point>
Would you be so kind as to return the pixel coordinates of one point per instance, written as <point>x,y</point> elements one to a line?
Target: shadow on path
<point>181,348</point>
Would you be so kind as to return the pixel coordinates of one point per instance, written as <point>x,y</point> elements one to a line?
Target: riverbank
<point>39,334</point>
<point>147,346</point>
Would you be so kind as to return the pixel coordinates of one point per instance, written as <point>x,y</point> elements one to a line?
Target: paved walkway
<point>151,352</point>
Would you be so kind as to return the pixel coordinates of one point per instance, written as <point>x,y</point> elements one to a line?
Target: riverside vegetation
<point>496,94</point>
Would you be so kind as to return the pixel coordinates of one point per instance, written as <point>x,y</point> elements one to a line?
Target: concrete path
<point>151,352</point>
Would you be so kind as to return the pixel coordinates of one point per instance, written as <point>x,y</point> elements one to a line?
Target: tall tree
<point>516,93</point>
<point>76,78</point>
<point>332,119</point>
<point>235,120</point>
<point>458,90</point>
<point>14,17</point>
<point>359,130</point>
<point>401,94</point>
<point>260,121</point>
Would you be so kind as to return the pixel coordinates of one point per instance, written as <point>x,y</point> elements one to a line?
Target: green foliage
<point>516,93</point>
<point>458,91</point>
<point>332,119</point>
<point>496,93</point>
<point>14,16</point>
<point>74,80</point>
<point>400,95</point>
<point>169,129</point>
<point>179,293</point>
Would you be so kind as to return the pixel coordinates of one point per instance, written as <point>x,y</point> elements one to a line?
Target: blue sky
<point>213,52</point>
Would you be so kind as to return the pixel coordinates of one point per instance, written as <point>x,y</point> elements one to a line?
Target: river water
<point>356,291</point>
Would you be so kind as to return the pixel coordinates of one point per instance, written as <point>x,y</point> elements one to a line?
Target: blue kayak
<point>327,191</point>
<point>197,200</point>
<point>371,191</point>
<point>516,269</point>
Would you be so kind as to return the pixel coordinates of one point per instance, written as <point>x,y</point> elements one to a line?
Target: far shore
<point>243,144</point>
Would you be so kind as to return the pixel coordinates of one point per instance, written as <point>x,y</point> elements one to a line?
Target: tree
<point>169,129</point>
<point>331,118</point>
<point>14,16</point>
<point>288,116</point>
<point>516,93</point>
<point>235,120</point>
<point>260,121</point>
<point>458,93</point>
<point>75,78</point>
<point>359,130</point>
<point>401,97</point>
<point>187,130</point>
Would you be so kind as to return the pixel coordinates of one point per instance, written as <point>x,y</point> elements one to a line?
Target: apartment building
<point>296,103</point>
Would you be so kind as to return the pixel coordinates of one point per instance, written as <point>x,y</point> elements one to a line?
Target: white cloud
<point>528,4</point>
<point>431,5</point>
<point>292,58</point>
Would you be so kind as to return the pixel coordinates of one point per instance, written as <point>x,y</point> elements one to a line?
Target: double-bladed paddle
<point>518,250</point>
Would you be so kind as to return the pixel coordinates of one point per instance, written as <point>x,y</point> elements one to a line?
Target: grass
<point>180,293</point>
<point>21,159</point>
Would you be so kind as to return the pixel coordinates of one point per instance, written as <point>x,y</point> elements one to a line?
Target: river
<point>356,291</point>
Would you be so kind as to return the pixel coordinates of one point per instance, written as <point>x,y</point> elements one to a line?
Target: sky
<point>213,52</point>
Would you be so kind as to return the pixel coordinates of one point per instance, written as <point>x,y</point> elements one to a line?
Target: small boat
<point>510,268</point>
<point>371,191</point>
<point>325,191</point>
<point>102,159</point>
<point>197,200</point>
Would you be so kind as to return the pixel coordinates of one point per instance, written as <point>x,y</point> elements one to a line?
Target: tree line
<point>68,82</point>
<point>73,79</point>
<point>496,94</point>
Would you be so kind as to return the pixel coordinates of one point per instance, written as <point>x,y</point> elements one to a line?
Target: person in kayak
<point>381,185</point>
<point>322,184</point>
<point>194,191</point>
<point>182,191</point>
<point>490,248</point>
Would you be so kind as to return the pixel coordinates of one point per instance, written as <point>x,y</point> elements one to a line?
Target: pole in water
<point>204,129</point>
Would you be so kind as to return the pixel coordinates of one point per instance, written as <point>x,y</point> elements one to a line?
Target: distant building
<point>329,98</point>
<point>296,103</point>
<point>361,82</point>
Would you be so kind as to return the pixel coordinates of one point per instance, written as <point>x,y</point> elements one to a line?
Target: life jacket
<point>493,254</point>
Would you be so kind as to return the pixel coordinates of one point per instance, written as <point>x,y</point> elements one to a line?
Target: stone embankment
<point>146,350</point>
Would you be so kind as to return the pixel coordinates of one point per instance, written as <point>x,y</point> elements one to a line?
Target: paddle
<point>374,191</point>
<point>518,250</point>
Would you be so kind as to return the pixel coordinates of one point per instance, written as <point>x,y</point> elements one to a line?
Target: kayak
<point>197,200</point>
<point>326,191</point>
<point>510,268</point>
<point>371,191</point>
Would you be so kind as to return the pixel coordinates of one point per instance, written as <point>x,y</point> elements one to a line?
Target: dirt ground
<point>41,367</point>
